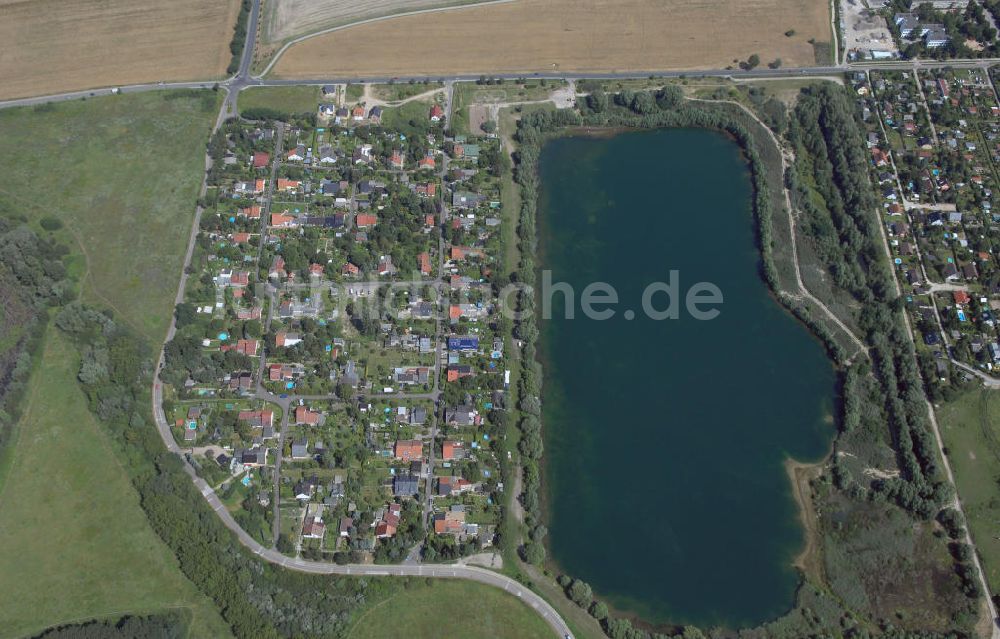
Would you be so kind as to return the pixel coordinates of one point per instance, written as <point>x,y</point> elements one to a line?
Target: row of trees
<point>165,626</point>
<point>32,279</point>
<point>845,228</point>
<point>237,44</point>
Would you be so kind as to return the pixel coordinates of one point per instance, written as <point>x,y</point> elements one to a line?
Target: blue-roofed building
<point>463,343</point>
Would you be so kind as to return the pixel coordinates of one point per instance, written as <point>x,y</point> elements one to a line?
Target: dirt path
<point>786,159</point>
<point>371,100</point>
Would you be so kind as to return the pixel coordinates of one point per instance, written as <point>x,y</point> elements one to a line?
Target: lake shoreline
<point>801,474</point>
<point>760,151</point>
<point>580,241</point>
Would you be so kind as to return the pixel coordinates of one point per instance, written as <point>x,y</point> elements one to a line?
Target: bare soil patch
<point>810,560</point>
<point>53,47</point>
<point>568,35</point>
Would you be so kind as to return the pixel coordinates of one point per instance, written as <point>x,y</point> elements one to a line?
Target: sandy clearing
<point>567,35</point>
<point>51,46</point>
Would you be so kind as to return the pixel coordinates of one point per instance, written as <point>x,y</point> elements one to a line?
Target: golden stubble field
<point>52,46</point>
<point>289,18</point>
<point>568,35</point>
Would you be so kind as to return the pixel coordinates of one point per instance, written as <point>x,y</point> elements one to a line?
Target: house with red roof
<point>313,528</point>
<point>389,523</point>
<point>350,270</point>
<point>451,522</point>
<point>448,486</point>
<point>452,450</point>
<point>426,190</point>
<point>261,159</point>
<point>284,339</point>
<point>247,347</point>
<point>408,450</point>
<point>281,220</point>
<point>308,417</point>
<point>257,418</point>
<point>365,220</point>
<point>424,263</point>
<point>396,160</point>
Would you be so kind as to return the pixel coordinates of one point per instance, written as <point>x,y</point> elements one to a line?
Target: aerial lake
<point>665,440</point>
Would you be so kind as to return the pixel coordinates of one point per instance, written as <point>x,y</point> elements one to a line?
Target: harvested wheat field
<point>568,35</point>
<point>286,19</point>
<point>53,46</point>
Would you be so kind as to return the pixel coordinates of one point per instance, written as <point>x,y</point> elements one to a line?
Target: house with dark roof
<point>305,488</point>
<point>405,485</point>
<point>300,449</point>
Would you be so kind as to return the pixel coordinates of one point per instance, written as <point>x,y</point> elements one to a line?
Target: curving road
<point>446,571</point>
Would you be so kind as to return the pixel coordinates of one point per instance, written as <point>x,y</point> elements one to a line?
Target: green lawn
<point>970,426</point>
<point>123,173</point>
<point>76,542</point>
<point>435,609</point>
<point>355,92</point>
<point>399,117</point>
<point>293,99</point>
<point>402,91</point>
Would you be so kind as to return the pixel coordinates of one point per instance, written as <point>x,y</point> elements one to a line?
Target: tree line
<point>840,208</point>
<point>33,279</point>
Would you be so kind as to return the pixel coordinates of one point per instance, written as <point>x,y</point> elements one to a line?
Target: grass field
<point>569,35</point>
<point>402,91</point>
<point>52,46</point>
<point>970,426</point>
<point>294,99</point>
<point>122,173</point>
<point>76,542</point>
<point>418,613</point>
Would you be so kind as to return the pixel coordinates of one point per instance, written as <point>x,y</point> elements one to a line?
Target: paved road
<point>243,79</point>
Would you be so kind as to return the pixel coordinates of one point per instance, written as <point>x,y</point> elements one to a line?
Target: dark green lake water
<point>665,440</point>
